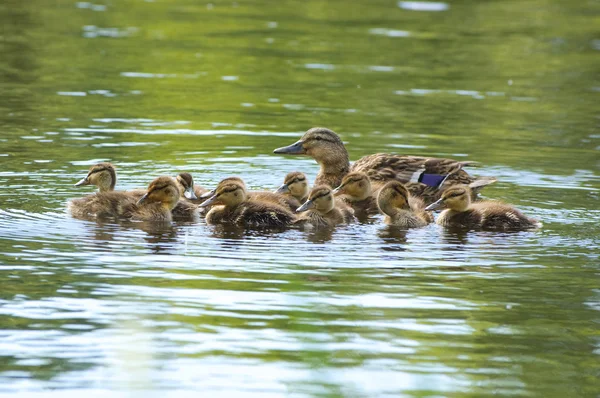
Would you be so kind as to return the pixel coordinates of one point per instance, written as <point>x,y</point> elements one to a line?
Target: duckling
<point>187,189</point>
<point>326,147</point>
<point>158,202</point>
<point>487,215</point>
<point>400,208</point>
<point>322,209</point>
<point>231,204</point>
<point>295,185</point>
<point>187,208</point>
<point>357,191</point>
<point>285,201</point>
<point>155,205</point>
<point>104,176</point>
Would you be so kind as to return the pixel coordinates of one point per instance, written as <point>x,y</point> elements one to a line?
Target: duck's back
<point>286,201</point>
<point>470,218</point>
<point>502,217</point>
<point>253,214</point>
<point>384,167</point>
<point>102,205</point>
<point>185,210</point>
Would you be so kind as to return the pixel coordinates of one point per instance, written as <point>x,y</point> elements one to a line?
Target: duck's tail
<point>481,182</point>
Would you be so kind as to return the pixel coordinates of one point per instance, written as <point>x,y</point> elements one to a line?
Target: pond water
<point>212,87</point>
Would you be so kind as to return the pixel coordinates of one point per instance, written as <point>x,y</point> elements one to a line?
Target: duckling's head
<point>186,185</point>
<point>319,199</point>
<point>230,192</point>
<point>211,193</point>
<point>321,144</point>
<point>102,175</point>
<point>393,197</point>
<point>457,198</point>
<point>356,185</point>
<point>294,184</point>
<point>162,190</point>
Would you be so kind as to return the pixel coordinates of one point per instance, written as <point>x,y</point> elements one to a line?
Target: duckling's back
<point>503,217</point>
<point>252,214</point>
<point>286,201</point>
<point>102,205</point>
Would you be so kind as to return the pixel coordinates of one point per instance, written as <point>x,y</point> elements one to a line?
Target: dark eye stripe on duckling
<point>455,194</point>
<point>320,195</point>
<point>228,190</point>
<point>94,171</point>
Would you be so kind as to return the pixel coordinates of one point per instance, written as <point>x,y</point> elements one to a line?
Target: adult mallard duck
<point>400,208</point>
<point>322,210</point>
<point>230,204</point>
<point>486,215</point>
<point>295,185</point>
<point>436,174</point>
<point>287,201</point>
<point>155,205</point>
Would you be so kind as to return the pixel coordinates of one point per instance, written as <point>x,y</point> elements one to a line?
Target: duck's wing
<point>263,215</point>
<point>385,166</point>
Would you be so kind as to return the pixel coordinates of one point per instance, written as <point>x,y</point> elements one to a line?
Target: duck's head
<point>162,190</point>
<point>294,184</point>
<point>356,185</point>
<point>393,197</point>
<point>186,185</point>
<point>319,199</point>
<point>321,144</point>
<point>211,193</point>
<point>102,175</point>
<point>230,192</point>
<point>457,198</point>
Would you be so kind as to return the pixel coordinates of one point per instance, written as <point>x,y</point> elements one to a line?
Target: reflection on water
<point>366,309</point>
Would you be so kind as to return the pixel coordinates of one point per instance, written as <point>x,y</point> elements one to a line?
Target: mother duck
<point>326,147</point>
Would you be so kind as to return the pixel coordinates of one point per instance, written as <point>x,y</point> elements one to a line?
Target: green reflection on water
<point>513,85</point>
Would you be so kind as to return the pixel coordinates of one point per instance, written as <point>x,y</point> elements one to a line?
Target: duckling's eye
<point>318,138</point>
<point>329,198</point>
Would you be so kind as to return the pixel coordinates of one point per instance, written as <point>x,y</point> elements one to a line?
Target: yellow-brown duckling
<point>231,204</point>
<point>285,201</point>
<point>104,176</point>
<point>357,191</point>
<point>326,147</point>
<point>400,208</point>
<point>295,185</point>
<point>187,188</point>
<point>321,210</point>
<point>187,208</point>
<point>487,215</point>
<point>155,205</point>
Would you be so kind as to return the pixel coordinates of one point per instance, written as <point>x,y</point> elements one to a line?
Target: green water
<point>162,86</point>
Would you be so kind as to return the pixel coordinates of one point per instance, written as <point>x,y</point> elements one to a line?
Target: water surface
<point>159,87</point>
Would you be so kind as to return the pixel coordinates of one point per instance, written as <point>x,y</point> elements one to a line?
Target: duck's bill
<point>434,205</point>
<point>294,149</point>
<point>337,190</point>
<point>309,204</point>
<point>142,199</point>
<point>208,201</point>
<point>283,189</point>
<point>208,194</point>
<point>189,194</point>
<point>82,182</point>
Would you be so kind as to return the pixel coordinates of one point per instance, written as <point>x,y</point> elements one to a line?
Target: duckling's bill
<point>208,201</point>
<point>283,189</point>
<point>294,149</point>
<point>309,204</point>
<point>142,200</point>
<point>82,182</point>
<point>208,194</point>
<point>189,193</point>
<point>435,205</point>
